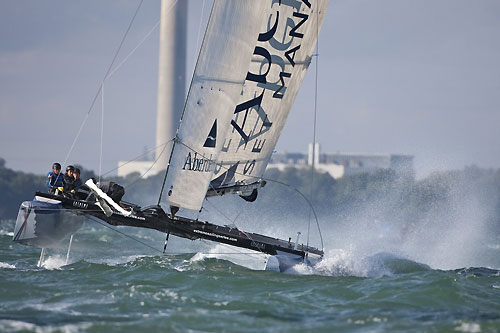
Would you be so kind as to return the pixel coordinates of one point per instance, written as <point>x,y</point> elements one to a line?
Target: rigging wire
<point>314,120</point>
<point>199,30</point>
<point>145,153</point>
<point>104,224</point>
<point>92,218</point>
<point>266,179</point>
<point>134,49</point>
<point>141,42</point>
<point>104,79</point>
<point>233,222</point>
<point>183,110</point>
<point>109,74</point>
<point>152,165</point>
<point>102,130</point>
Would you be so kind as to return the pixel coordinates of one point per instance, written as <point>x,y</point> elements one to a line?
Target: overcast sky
<point>418,77</point>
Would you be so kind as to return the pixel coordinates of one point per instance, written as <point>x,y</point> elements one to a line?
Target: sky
<point>394,76</point>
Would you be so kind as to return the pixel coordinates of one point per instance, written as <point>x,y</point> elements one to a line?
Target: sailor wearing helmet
<point>54,178</point>
<point>68,179</point>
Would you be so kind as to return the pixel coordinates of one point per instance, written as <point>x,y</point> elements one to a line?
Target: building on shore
<point>343,164</point>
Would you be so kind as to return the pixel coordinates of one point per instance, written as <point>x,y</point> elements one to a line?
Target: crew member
<point>78,181</point>
<point>68,179</point>
<point>54,178</point>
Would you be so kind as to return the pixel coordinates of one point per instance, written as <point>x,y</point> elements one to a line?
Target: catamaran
<point>252,61</point>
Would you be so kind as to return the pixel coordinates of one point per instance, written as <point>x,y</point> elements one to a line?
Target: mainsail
<point>216,87</point>
<point>281,57</point>
<point>253,59</point>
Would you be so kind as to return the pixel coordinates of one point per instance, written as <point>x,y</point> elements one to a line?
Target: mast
<point>171,76</point>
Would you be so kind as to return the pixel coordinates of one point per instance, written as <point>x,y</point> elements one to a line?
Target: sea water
<point>114,283</point>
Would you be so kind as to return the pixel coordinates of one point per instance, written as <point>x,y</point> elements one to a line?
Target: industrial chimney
<point>171,76</point>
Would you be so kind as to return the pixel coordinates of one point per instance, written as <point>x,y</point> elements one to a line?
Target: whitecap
<point>21,326</point>
<point>468,327</point>
<point>5,265</point>
<point>6,233</point>
<point>340,262</point>
<point>246,258</point>
<point>117,261</point>
<point>54,262</point>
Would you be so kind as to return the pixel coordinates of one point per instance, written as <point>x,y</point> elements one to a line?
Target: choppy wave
<point>6,233</point>
<point>345,263</point>
<point>5,265</point>
<point>120,285</point>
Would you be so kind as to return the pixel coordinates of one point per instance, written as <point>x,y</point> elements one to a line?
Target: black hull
<point>154,217</point>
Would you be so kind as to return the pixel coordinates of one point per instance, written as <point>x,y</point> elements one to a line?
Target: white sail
<point>281,57</point>
<point>217,83</point>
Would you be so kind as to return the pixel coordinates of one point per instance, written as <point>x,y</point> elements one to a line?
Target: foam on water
<point>58,261</point>
<point>347,263</point>
<point>468,327</point>
<point>118,260</point>
<point>54,262</point>
<point>21,326</point>
<point>246,258</point>
<point>5,265</point>
<point>337,262</point>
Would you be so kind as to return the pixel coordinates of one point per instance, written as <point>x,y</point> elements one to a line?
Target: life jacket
<point>54,180</point>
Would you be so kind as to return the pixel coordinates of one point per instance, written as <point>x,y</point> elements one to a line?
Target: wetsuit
<point>69,183</point>
<point>54,181</point>
<point>78,182</point>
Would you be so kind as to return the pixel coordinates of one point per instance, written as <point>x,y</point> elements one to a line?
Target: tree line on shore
<point>382,195</point>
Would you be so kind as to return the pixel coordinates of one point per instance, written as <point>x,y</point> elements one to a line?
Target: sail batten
<point>215,79</point>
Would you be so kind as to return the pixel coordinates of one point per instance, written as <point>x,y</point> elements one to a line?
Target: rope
<point>183,110</point>
<point>199,31</point>
<point>315,119</point>
<point>102,129</point>
<point>134,49</point>
<point>141,42</point>
<point>108,74</point>
<point>100,87</point>
<point>135,158</point>
<point>233,222</point>
<point>94,219</point>
<point>272,181</point>
<point>124,234</point>
<point>152,165</point>
<point>166,173</point>
<point>266,179</point>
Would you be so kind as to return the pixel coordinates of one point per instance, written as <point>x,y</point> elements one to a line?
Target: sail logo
<point>200,164</point>
<point>277,48</point>
<point>210,141</point>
